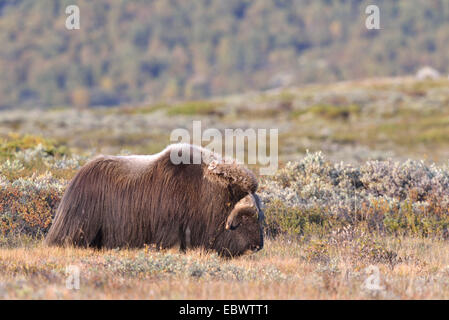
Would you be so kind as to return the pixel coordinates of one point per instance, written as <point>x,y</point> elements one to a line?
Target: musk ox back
<point>130,201</point>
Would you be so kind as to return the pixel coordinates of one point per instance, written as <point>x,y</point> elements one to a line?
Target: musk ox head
<point>243,228</point>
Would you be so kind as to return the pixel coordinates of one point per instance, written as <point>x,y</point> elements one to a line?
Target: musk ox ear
<point>249,206</point>
<point>239,179</point>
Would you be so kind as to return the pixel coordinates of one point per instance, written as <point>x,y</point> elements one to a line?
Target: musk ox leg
<point>187,238</point>
<point>98,240</point>
<point>182,241</point>
<point>184,236</point>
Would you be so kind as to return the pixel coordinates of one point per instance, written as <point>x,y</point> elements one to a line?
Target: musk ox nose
<point>255,248</point>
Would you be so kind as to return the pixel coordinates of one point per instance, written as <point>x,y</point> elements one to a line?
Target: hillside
<point>133,52</point>
<point>353,121</point>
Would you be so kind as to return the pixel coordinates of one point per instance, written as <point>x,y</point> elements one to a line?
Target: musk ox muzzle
<point>130,201</point>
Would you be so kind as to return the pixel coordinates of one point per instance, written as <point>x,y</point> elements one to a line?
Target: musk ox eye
<point>233,227</point>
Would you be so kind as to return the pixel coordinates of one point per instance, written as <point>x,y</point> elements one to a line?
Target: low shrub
<point>27,206</point>
<point>316,195</point>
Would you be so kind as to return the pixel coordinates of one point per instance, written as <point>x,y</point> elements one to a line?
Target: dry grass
<point>283,270</point>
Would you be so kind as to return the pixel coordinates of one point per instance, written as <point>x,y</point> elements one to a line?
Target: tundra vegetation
<point>376,195</point>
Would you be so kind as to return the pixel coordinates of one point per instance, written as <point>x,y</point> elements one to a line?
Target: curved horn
<point>258,204</point>
<point>231,217</point>
<point>244,206</point>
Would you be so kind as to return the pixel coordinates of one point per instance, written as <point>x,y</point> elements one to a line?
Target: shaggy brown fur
<point>131,201</point>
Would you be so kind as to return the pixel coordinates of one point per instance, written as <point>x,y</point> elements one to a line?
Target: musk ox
<point>130,201</point>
